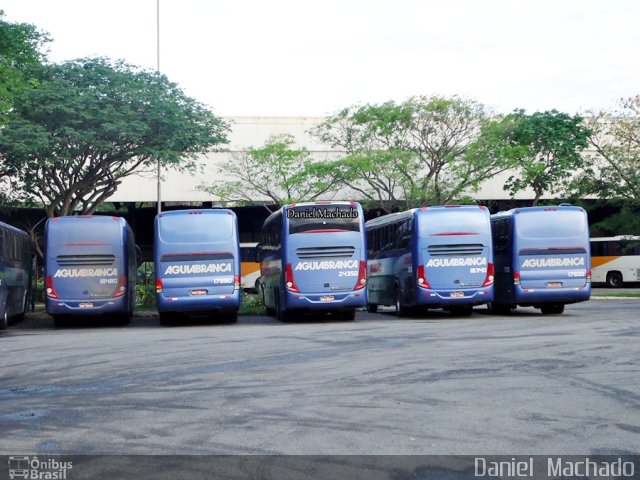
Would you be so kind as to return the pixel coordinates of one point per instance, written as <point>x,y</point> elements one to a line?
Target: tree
<point>277,171</point>
<point>21,51</point>
<point>547,148</point>
<point>613,172</point>
<point>90,123</point>
<point>420,146</point>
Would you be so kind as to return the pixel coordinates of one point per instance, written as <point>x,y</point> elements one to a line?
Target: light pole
<point>158,71</point>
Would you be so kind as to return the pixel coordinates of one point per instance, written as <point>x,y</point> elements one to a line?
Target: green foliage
<point>146,295</point>
<point>409,154</point>
<point>251,305</point>
<point>90,123</point>
<point>613,171</point>
<point>21,52</point>
<point>277,171</point>
<point>543,148</point>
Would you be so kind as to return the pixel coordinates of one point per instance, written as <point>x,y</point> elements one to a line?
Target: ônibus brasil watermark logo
<point>34,468</point>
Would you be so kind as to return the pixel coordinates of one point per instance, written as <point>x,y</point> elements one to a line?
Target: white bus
<point>249,266</point>
<point>615,260</point>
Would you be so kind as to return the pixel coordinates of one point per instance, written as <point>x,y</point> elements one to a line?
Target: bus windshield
<point>199,229</point>
<point>323,218</point>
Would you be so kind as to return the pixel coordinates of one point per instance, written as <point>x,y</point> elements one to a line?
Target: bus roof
<point>13,229</point>
<point>615,238</point>
<point>525,210</point>
<point>197,211</point>
<point>398,216</point>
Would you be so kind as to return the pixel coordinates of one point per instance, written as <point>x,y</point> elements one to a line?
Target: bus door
<point>197,274</point>
<point>551,267</point>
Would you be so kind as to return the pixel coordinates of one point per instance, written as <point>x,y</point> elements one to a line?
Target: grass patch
<point>251,304</point>
<point>614,294</point>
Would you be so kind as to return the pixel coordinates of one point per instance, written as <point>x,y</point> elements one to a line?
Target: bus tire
<point>125,318</point>
<point>281,314</point>
<point>461,311</point>
<point>61,321</point>
<point>349,315</point>
<point>499,309</point>
<point>167,318</point>
<point>401,311</point>
<point>614,280</point>
<point>231,317</point>
<point>372,307</point>
<point>4,321</point>
<point>552,309</point>
<point>25,307</point>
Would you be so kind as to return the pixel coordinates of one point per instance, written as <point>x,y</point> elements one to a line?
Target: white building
<point>253,132</point>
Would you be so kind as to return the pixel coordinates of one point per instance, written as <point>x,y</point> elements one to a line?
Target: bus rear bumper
<point>86,307</point>
<point>452,298</point>
<point>326,301</point>
<point>533,296</point>
<point>205,303</point>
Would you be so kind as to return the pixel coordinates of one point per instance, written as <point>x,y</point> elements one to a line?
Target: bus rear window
<point>323,218</point>
<point>196,228</point>
<point>556,224</point>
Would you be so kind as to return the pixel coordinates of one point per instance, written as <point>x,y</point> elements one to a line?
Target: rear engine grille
<point>78,260</point>
<point>325,252</point>
<point>472,249</point>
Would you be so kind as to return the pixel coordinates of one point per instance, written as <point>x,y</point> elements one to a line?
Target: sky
<point>312,57</point>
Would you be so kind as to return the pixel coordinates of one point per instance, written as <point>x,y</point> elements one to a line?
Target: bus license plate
<point>86,305</point>
<point>457,294</point>
<point>554,284</point>
<point>327,298</point>
<point>198,292</point>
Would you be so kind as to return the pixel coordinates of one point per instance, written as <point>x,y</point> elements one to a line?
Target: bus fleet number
<point>348,273</point>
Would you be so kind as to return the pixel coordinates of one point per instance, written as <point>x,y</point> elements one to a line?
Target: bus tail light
<point>422,280</point>
<point>488,281</point>
<point>288,279</point>
<point>516,278</point>
<point>362,276</point>
<point>51,292</point>
<point>588,275</point>
<point>121,288</point>
<point>159,285</point>
<point>236,282</point>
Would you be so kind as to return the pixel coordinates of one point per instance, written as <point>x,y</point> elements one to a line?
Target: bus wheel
<point>61,321</point>
<point>4,321</point>
<point>347,314</point>
<point>614,280</point>
<point>400,310</point>
<point>231,317</point>
<point>167,318</point>
<point>25,307</point>
<point>281,314</point>
<point>125,318</point>
<point>552,309</point>
<point>461,311</point>
<point>499,309</point>
<point>372,307</point>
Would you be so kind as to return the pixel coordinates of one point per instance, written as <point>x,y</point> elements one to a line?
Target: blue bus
<point>15,273</point>
<point>90,267</point>
<point>197,264</point>
<point>313,259</point>
<point>542,258</point>
<point>431,257</point>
